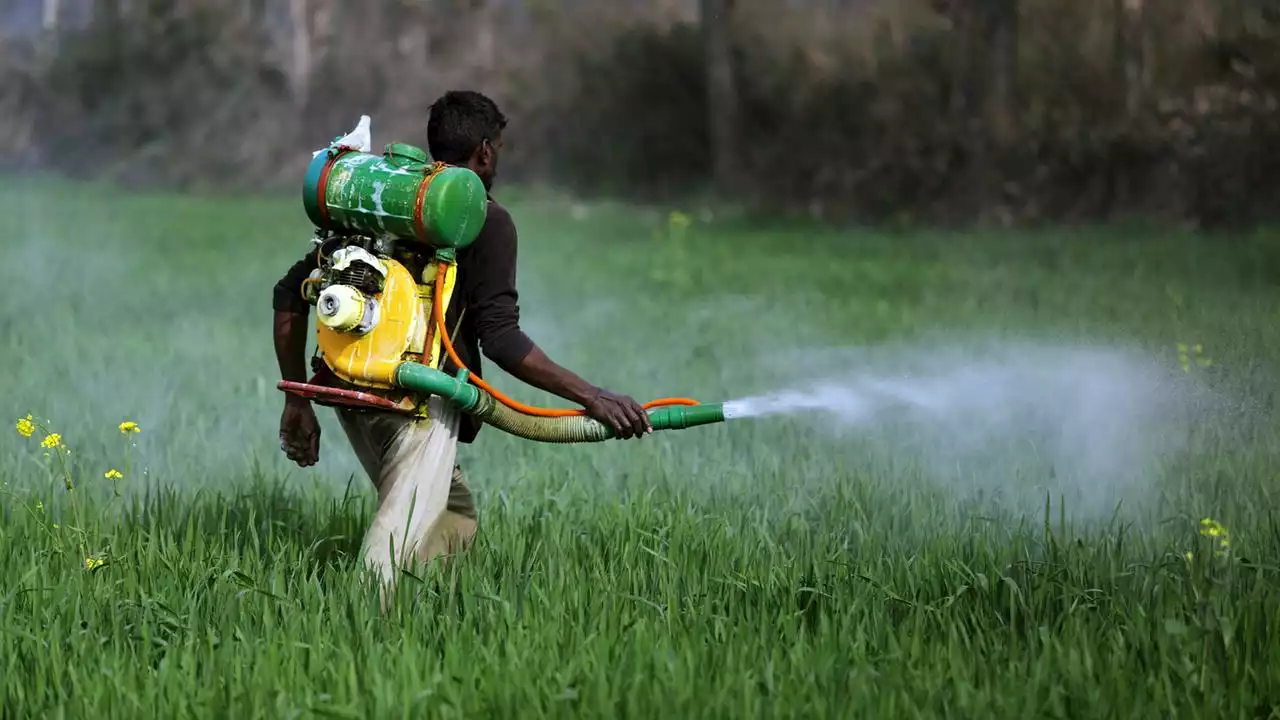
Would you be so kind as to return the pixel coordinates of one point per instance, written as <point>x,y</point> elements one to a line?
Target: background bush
<point>940,112</point>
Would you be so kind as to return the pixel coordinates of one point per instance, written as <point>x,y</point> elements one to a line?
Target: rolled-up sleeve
<point>490,287</point>
<point>287,294</point>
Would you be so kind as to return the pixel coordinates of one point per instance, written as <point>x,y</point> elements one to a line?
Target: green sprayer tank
<point>399,194</point>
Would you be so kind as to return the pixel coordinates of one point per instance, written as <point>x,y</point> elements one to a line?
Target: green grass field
<point>753,569</point>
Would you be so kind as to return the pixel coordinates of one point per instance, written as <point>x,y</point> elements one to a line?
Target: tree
<point>1131,56</point>
<point>1000,28</point>
<point>300,55</point>
<point>722,94</point>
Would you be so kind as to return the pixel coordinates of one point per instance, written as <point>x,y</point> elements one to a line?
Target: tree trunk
<point>722,94</point>
<point>300,57</point>
<point>1205,16</point>
<point>410,22</point>
<point>48,43</point>
<point>960,55</point>
<point>1002,69</point>
<point>50,15</point>
<point>1130,63</point>
<point>486,38</point>
<point>1130,54</point>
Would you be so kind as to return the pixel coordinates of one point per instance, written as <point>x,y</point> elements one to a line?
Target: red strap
<point>338,396</point>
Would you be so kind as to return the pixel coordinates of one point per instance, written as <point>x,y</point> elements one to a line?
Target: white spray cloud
<point>1094,424</point>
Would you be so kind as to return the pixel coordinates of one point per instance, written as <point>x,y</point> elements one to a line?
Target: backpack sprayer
<point>381,329</point>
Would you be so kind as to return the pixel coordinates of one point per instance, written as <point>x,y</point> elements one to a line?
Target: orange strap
<point>438,318</point>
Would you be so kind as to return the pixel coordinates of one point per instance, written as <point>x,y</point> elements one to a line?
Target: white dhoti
<point>424,506</point>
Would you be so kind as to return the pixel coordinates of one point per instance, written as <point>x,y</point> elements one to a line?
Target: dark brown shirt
<point>485,295</point>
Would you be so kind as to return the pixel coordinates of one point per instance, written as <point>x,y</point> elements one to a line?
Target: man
<point>465,129</point>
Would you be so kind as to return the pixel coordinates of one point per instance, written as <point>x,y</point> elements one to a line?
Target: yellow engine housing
<point>404,305</point>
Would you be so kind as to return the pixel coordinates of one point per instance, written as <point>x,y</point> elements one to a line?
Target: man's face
<point>485,161</point>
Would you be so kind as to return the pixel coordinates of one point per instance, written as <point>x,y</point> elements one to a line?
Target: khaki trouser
<point>424,506</point>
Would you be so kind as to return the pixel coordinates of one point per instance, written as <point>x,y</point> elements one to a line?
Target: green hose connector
<point>574,429</point>
<point>420,378</point>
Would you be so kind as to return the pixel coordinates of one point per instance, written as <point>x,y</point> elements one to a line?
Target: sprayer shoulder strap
<point>433,353</point>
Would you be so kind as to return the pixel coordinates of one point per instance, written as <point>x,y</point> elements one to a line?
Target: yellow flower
<point>26,427</point>
<point>113,474</point>
<point>1213,529</point>
<point>91,563</point>
<point>51,441</point>
<point>129,426</point>
<point>1192,355</point>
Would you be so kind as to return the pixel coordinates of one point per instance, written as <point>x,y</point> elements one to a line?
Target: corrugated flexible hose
<point>565,429</point>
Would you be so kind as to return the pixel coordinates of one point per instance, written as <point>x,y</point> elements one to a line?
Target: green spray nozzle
<point>679,417</point>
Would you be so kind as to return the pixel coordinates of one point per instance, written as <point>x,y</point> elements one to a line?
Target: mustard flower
<point>1211,528</point>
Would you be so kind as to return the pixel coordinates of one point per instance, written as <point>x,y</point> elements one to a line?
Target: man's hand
<point>626,416</point>
<point>300,432</point>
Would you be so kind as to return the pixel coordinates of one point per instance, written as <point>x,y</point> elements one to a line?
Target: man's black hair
<point>459,121</point>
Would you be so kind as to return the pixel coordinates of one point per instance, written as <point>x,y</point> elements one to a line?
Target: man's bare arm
<point>542,372</point>
<point>290,321</point>
<point>299,427</point>
<point>491,288</point>
<point>624,415</point>
<point>290,333</point>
